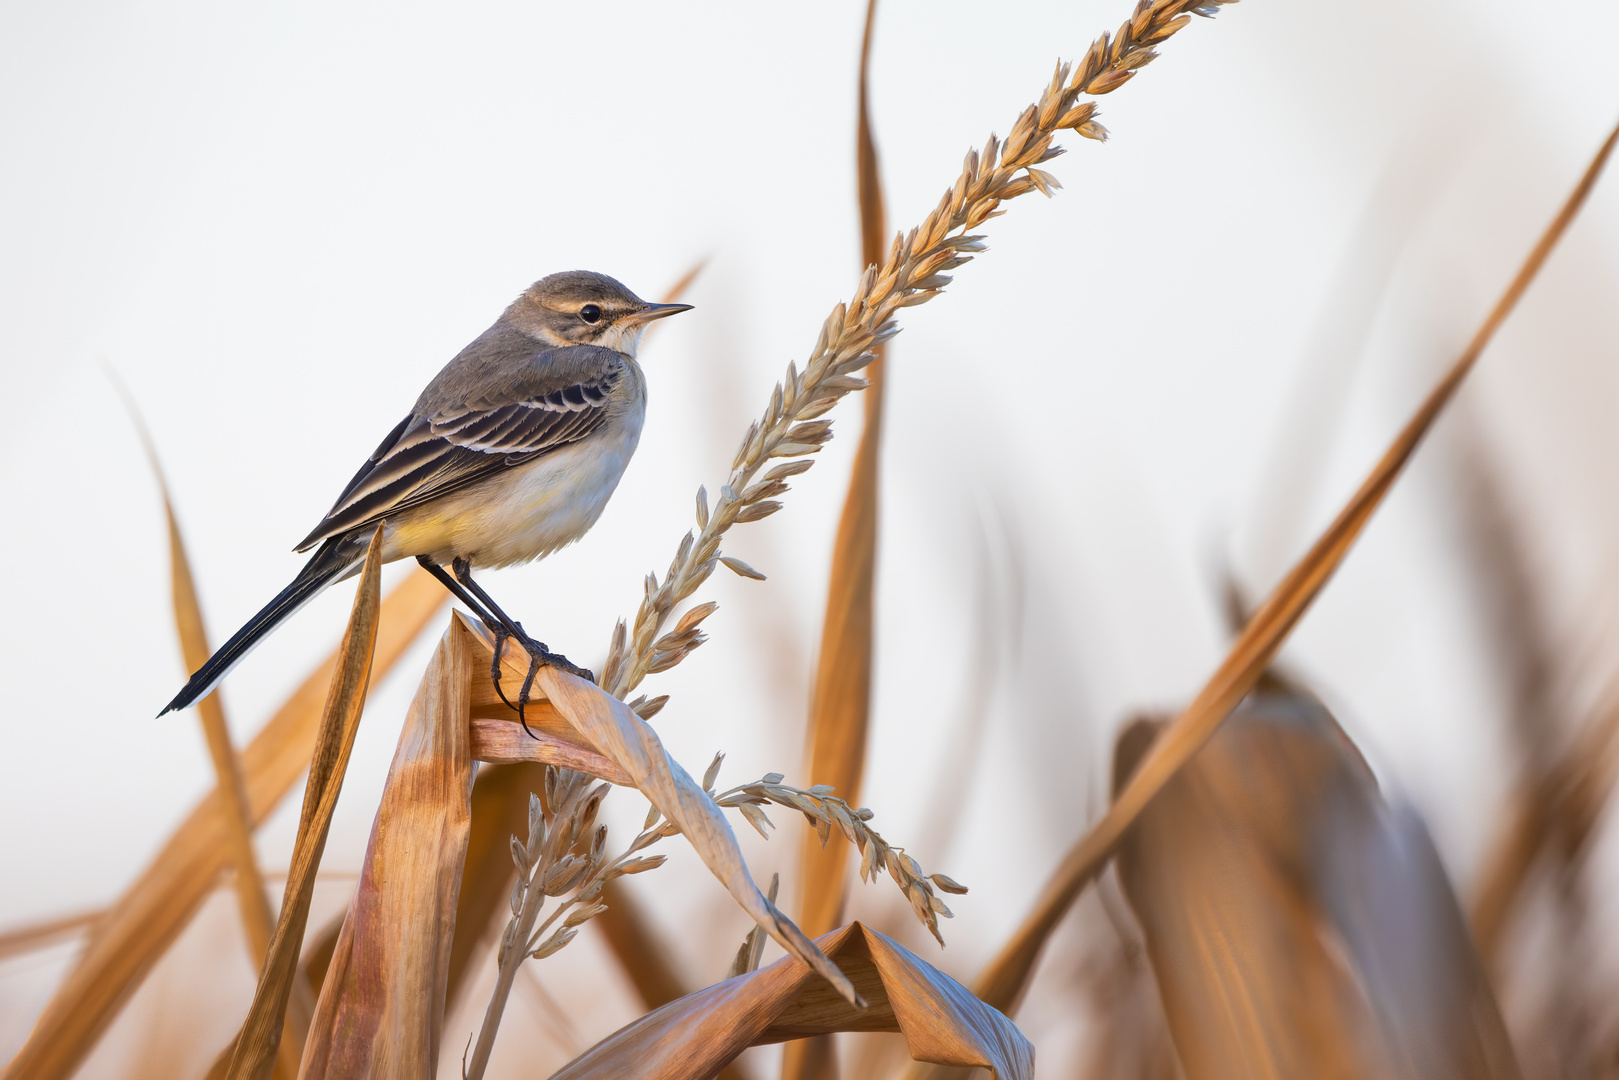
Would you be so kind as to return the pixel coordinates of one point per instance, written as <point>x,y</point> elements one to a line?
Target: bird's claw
<point>538,656</point>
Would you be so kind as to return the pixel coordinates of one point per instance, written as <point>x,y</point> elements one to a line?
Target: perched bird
<point>511,452</point>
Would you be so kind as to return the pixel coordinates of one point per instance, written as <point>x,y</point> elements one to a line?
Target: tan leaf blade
<point>1003,982</point>
<point>194,651</point>
<point>633,746</point>
<point>503,742</point>
<point>141,925</point>
<point>840,701</point>
<point>693,1037</point>
<point>252,902</point>
<point>384,997</point>
<point>340,721</point>
<point>1297,924</point>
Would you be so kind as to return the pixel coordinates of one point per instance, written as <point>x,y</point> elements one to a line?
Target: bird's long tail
<point>336,559</point>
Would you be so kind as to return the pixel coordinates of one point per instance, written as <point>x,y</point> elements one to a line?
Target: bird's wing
<point>538,410</point>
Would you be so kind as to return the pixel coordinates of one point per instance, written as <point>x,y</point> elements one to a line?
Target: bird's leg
<point>538,654</point>
<point>495,625</point>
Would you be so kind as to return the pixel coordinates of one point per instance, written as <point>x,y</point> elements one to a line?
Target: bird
<point>511,452</point>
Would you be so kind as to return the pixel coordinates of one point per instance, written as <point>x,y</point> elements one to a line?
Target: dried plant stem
<point>914,272</point>
<point>261,1032</point>
<point>551,864</point>
<point>1003,982</point>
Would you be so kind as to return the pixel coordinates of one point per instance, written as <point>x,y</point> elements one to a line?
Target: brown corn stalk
<point>340,722</point>
<point>1003,982</point>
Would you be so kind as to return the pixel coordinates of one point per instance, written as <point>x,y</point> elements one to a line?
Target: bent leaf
<point>577,711</point>
<point>694,1037</point>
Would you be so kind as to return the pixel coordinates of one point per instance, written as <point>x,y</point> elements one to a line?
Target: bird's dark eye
<point>591,313</point>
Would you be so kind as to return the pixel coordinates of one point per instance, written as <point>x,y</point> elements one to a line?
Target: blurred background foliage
<point>275,224</point>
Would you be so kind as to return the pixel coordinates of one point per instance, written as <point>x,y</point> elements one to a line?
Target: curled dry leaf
<point>693,1037</point>
<point>141,924</point>
<point>583,713</point>
<point>381,1011</point>
<point>1270,872</point>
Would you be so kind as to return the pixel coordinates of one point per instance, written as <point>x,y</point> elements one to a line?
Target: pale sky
<point>276,223</point>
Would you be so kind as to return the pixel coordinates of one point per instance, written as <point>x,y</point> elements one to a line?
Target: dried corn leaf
<point>260,1037</point>
<point>1298,925</point>
<point>578,711</point>
<point>503,742</point>
<point>381,1011</point>
<point>1003,982</point>
<point>694,1037</point>
<point>141,925</point>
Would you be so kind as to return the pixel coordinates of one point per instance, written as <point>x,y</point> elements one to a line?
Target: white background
<point>275,223</point>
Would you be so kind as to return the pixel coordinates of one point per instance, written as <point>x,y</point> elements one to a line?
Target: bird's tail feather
<point>336,559</point>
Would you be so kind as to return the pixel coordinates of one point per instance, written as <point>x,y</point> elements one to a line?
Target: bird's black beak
<point>656,311</point>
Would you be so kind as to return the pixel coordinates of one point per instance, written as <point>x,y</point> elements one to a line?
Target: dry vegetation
<point>1250,820</point>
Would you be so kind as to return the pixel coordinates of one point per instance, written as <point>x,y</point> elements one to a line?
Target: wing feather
<point>429,456</point>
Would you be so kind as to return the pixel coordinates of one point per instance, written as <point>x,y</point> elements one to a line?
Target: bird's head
<point>579,307</point>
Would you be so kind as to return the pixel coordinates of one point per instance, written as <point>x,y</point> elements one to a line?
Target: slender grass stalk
<point>1003,982</point>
